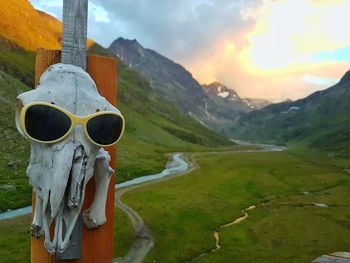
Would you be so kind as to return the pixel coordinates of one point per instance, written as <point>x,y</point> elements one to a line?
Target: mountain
<point>225,104</point>
<point>167,78</point>
<point>320,120</point>
<point>256,104</point>
<point>16,61</point>
<point>219,90</point>
<point>174,83</point>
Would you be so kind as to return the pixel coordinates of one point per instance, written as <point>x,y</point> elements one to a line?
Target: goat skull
<point>60,172</point>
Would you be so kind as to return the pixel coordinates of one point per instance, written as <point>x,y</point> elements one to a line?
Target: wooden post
<point>74,36</point>
<point>97,245</point>
<point>74,32</point>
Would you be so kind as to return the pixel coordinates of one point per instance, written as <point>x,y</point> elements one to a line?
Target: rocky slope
<point>226,104</point>
<point>220,90</point>
<point>217,89</point>
<point>167,78</point>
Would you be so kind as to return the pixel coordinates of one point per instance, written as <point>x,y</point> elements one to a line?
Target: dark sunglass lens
<point>46,123</point>
<point>105,129</point>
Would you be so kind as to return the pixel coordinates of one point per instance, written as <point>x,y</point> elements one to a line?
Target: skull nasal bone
<point>77,177</point>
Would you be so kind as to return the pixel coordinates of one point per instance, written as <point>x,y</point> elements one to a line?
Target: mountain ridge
<point>219,89</point>
<point>174,83</point>
<point>155,68</point>
<point>317,120</point>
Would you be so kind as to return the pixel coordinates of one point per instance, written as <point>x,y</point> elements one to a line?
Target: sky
<point>272,49</point>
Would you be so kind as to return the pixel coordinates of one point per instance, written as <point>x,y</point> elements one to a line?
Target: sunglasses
<point>47,123</point>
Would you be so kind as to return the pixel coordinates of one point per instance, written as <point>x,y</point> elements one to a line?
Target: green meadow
<point>184,211</point>
<point>286,227</point>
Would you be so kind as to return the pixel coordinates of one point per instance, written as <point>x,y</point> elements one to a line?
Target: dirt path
<point>143,241</point>
<point>143,238</point>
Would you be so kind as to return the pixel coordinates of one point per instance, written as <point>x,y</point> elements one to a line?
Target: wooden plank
<point>74,32</point>
<point>74,36</point>
<point>97,244</point>
<point>74,249</point>
<point>44,59</point>
<point>330,259</point>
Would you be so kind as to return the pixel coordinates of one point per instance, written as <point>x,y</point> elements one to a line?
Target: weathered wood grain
<point>97,244</point>
<point>74,32</point>
<point>74,37</point>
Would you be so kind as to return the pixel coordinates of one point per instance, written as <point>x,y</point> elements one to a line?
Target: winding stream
<point>216,233</point>
<point>176,166</point>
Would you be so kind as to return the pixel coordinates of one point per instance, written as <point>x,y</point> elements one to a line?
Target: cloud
<point>262,48</point>
<point>177,29</point>
<point>99,13</point>
<point>51,7</point>
<point>318,80</point>
<point>290,41</point>
<point>98,17</point>
<point>292,32</point>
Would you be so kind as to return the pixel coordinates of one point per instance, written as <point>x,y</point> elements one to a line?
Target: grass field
<point>15,238</point>
<point>286,227</point>
<point>183,212</point>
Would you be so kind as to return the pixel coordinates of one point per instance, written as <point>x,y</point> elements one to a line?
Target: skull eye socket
<point>45,123</point>
<point>105,129</point>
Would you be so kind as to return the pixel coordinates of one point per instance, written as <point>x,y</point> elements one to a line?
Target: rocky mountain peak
<point>129,51</point>
<point>220,90</point>
<point>166,77</point>
<point>126,42</point>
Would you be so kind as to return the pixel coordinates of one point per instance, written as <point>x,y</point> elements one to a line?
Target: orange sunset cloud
<point>294,48</point>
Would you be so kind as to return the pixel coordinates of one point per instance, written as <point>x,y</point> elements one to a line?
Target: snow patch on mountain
<point>224,94</point>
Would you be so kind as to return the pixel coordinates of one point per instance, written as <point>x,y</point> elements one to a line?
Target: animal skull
<point>60,172</point>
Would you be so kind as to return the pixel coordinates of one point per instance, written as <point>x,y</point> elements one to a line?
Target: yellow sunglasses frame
<point>74,121</point>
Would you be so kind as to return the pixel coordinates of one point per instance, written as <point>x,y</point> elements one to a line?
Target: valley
<point>183,212</point>
<point>299,183</point>
<point>285,225</point>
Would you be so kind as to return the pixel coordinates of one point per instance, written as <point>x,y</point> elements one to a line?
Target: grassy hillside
<point>25,26</point>
<point>17,62</point>
<point>14,150</point>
